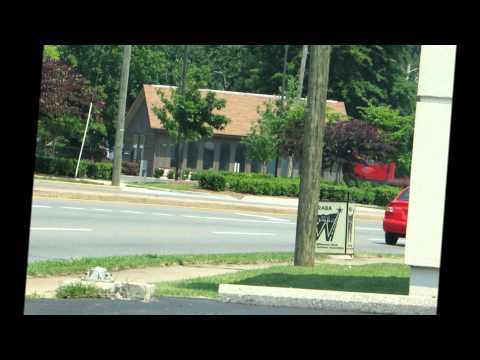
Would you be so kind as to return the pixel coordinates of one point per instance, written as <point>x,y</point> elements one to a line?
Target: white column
<point>429,168</point>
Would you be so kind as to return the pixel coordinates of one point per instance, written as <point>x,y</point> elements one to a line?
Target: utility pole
<point>183,85</point>
<point>312,156</point>
<point>285,57</point>
<point>119,134</point>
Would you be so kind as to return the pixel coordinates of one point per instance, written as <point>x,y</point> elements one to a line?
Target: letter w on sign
<point>327,223</point>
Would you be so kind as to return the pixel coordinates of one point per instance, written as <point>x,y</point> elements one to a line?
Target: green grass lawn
<point>161,185</point>
<point>374,278</point>
<point>66,179</point>
<point>116,263</point>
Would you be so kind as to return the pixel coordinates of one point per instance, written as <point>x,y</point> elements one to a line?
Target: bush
<point>212,181</point>
<point>102,170</point>
<point>66,167</point>
<point>79,291</point>
<point>130,168</point>
<point>258,184</point>
<point>171,174</point>
<point>158,172</point>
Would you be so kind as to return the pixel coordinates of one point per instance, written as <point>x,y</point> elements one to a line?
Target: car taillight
<point>389,209</point>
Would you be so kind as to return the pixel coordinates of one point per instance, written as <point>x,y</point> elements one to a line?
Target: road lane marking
<point>240,233</point>
<point>368,229</point>
<point>131,212</point>
<point>260,216</point>
<point>41,206</point>
<point>72,208</point>
<point>233,219</point>
<point>161,214</point>
<point>58,229</point>
<point>106,210</point>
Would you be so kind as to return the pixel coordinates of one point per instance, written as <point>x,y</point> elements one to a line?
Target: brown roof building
<point>147,141</point>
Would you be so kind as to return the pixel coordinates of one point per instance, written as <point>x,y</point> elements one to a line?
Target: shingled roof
<point>241,108</point>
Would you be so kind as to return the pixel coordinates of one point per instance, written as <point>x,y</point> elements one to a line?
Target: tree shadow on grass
<point>383,285</point>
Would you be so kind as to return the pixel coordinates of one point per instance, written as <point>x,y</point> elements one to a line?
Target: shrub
<point>79,290</point>
<point>130,168</point>
<point>171,174</point>
<point>212,181</point>
<point>158,172</point>
<point>66,167</point>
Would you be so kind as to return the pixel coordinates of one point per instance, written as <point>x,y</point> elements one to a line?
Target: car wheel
<point>391,238</point>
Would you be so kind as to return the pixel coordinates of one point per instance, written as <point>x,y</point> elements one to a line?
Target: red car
<point>395,219</point>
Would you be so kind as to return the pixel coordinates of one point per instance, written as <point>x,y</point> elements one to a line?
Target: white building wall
<point>429,167</point>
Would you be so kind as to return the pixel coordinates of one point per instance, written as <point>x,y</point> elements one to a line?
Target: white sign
<point>335,228</point>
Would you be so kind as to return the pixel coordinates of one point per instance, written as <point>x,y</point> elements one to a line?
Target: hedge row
<point>66,167</point>
<point>256,184</point>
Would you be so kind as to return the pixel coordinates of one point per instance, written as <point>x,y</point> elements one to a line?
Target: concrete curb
<point>328,300</point>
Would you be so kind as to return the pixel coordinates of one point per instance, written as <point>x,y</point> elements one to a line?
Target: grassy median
<point>372,278</point>
<point>165,185</point>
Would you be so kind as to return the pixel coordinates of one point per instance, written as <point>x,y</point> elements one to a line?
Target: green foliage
<point>66,167</point>
<point>396,128</point>
<point>51,52</point>
<point>171,174</point>
<point>258,184</point>
<point>158,172</point>
<point>212,181</point>
<point>79,291</point>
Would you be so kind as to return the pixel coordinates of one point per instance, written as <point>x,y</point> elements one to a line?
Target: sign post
<point>335,228</point>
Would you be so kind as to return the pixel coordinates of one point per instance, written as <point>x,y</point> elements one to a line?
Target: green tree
<point>101,65</point>
<point>260,145</point>
<point>190,116</point>
<point>397,129</point>
<point>65,96</point>
<point>363,75</point>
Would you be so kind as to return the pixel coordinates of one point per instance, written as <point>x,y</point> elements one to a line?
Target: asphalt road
<point>76,228</point>
<point>161,306</point>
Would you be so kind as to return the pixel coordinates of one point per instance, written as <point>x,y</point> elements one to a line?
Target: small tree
<point>64,100</point>
<point>190,116</point>
<point>347,142</point>
<point>260,145</point>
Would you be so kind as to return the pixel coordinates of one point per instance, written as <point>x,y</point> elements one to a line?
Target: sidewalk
<point>45,286</point>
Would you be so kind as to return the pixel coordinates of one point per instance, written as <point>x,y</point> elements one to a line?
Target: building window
<point>224,156</point>
<point>240,156</point>
<point>192,155</point>
<point>208,155</point>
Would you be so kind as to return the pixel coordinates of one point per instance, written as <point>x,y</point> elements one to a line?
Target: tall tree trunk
<point>312,156</point>
<point>290,165</point>
<point>178,155</point>
<point>302,70</point>
<point>284,78</point>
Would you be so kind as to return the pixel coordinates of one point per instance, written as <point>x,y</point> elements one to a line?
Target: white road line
<point>368,229</point>
<point>40,206</point>
<point>264,217</point>
<point>233,219</point>
<point>58,229</point>
<point>72,208</point>
<point>371,239</point>
<point>240,233</point>
<point>107,210</point>
<point>161,214</point>
<point>131,212</point>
